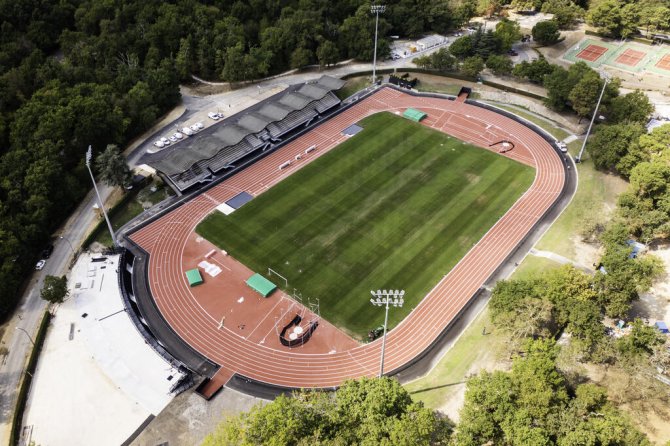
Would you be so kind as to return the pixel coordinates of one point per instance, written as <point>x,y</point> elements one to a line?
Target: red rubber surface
<point>166,238</point>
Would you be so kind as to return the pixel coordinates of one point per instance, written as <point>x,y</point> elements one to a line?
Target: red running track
<point>165,238</point>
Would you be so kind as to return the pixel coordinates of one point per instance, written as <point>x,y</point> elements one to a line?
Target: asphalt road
<point>31,307</point>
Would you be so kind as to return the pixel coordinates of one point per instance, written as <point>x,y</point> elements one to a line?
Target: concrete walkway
<point>560,259</point>
<point>97,379</point>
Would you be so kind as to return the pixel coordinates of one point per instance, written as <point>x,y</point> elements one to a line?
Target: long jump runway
<point>167,238</point>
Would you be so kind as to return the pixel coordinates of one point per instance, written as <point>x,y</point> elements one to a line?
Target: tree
<point>531,405</point>
<point>112,166</point>
<point>546,32</point>
<point>507,32</point>
<point>500,65</point>
<point>462,47</point>
<point>642,339</point>
<point>301,57</point>
<point>327,53</point>
<point>632,107</point>
<point>486,44</point>
<point>611,143</point>
<point>54,289</point>
<point>534,71</point>
<point>472,66</point>
<point>350,415</point>
<point>614,18</point>
<point>442,60</point>
<point>623,277</point>
<point>566,12</point>
<point>466,10</point>
<point>584,95</point>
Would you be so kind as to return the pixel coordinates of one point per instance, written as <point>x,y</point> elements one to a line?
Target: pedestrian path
<point>560,259</point>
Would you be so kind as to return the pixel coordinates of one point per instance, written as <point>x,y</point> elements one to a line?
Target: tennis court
<point>630,57</point>
<point>592,52</point>
<point>664,62</point>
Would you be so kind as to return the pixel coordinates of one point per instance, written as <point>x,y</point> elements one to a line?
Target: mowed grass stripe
<point>397,205</point>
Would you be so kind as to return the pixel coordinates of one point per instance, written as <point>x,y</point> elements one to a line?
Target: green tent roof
<point>414,114</point>
<point>261,285</point>
<point>193,276</point>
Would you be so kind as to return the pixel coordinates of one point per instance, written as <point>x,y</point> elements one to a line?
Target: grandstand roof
<point>190,160</point>
<point>331,83</point>
<point>253,122</point>
<point>296,101</point>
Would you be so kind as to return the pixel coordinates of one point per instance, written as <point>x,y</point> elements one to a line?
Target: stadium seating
<point>195,159</point>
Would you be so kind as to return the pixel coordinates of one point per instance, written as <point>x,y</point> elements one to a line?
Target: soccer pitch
<point>396,206</point>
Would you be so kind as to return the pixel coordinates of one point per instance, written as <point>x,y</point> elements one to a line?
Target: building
<point>202,157</point>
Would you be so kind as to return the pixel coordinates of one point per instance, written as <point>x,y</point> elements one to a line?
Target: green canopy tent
<point>414,114</point>
<point>261,285</point>
<point>193,276</point>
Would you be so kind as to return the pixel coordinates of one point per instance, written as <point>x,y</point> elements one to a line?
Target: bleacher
<point>195,159</point>
<point>291,121</point>
<point>229,155</point>
<point>327,102</point>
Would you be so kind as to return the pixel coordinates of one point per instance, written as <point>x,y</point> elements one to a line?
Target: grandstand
<point>200,158</point>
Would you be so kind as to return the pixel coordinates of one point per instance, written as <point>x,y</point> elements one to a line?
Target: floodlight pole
<point>394,297</point>
<point>62,237</point>
<point>89,155</point>
<point>593,118</point>
<point>376,9</point>
<point>27,334</point>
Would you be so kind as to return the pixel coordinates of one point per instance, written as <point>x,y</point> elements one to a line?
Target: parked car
<point>40,265</point>
<point>172,138</point>
<point>562,146</point>
<point>159,144</point>
<point>199,125</point>
<point>178,135</point>
<point>165,141</point>
<point>214,116</point>
<point>46,252</point>
<point>194,128</point>
<point>187,131</point>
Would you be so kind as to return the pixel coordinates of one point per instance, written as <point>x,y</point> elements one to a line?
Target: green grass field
<point>395,206</point>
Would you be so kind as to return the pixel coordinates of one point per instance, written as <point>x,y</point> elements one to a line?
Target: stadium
<point>259,274</point>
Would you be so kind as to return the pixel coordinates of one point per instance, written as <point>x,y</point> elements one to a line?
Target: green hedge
<point>24,387</point>
<point>513,90</point>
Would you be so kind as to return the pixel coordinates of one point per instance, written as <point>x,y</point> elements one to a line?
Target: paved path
<point>31,307</point>
<point>560,259</point>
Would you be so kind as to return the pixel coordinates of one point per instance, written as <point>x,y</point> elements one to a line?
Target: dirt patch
<point>199,89</point>
<point>586,254</point>
<point>637,395</point>
<point>489,360</point>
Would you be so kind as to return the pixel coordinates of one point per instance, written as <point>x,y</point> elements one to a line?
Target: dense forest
<point>80,72</point>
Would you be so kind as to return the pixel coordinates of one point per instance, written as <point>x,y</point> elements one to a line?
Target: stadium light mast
<point>593,118</point>
<point>89,156</point>
<point>386,297</point>
<point>376,9</point>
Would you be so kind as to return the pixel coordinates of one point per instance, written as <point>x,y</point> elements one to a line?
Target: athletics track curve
<point>164,240</point>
